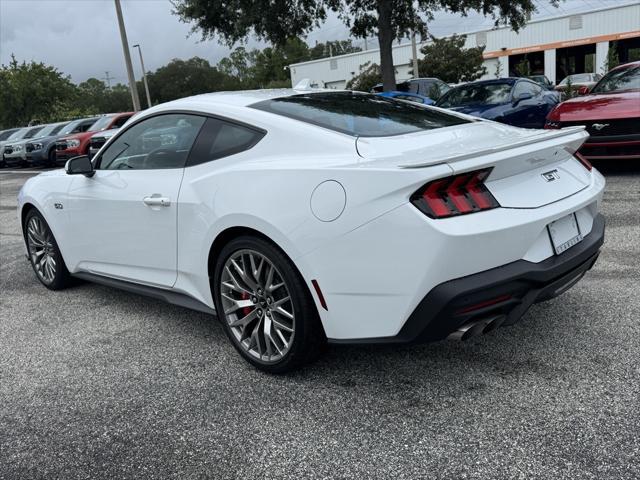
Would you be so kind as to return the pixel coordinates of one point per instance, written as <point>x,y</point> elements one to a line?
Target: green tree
<point>183,78</point>
<point>32,92</point>
<point>279,20</point>
<point>447,59</point>
<point>336,47</point>
<point>369,76</point>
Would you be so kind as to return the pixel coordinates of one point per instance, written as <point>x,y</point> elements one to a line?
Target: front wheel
<point>265,307</point>
<point>44,254</point>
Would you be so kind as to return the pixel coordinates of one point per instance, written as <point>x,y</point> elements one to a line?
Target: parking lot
<point>96,382</point>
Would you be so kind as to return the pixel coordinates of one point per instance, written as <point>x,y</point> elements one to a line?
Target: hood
<point>598,107</point>
<point>77,136</point>
<point>480,110</point>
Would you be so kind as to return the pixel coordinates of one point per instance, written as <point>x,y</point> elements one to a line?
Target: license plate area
<point>564,233</point>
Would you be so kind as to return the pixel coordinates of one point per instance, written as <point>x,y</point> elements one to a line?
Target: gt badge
<point>551,175</point>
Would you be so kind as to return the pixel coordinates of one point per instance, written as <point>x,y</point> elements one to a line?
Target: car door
<point>123,219</point>
<point>526,105</point>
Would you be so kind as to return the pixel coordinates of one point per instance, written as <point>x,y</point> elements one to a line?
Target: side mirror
<point>80,166</point>
<point>583,90</point>
<point>521,97</point>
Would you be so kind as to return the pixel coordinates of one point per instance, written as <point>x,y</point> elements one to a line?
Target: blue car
<point>515,101</point>
<point>411,97</point>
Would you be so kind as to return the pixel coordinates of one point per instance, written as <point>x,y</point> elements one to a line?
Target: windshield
<point>618,80</point>
<point>101,124</point>
<point>359,114</point>
<point>581,77</point>
<point>32,132</point>
<point>6,134</point>
<point>488,94</point>
<point>18,134</point>
<point>70,127</point>
<point>50,129</point>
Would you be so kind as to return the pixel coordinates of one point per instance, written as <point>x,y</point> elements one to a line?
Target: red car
<point>78,143</point>
<point>611,114</point>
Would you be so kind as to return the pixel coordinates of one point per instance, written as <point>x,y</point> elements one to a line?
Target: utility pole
<point>127,59</point>
<point>365,43</point>
<point>107,78</point>
<point>414,51</point>
<point>144,75</point>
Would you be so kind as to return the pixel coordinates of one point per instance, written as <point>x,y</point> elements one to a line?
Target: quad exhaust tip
<point>477,327</point>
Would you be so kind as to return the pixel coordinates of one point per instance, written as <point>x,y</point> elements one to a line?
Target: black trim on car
<point>168,296</point>
<point>516,286</point>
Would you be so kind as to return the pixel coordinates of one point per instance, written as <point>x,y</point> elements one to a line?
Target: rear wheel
<point>44,254</point>
<point>265,307</point>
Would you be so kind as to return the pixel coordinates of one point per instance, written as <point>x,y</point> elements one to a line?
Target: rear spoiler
<point>542,136</point>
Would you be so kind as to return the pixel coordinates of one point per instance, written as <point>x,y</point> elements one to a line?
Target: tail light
<point>457,195</point>
<point>585,163</point>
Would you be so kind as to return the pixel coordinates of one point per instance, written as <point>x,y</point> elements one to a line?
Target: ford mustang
<point>610,113</point>
<point>300,217</point>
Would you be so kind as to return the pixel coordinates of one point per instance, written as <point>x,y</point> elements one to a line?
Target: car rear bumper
<point>504,292</point>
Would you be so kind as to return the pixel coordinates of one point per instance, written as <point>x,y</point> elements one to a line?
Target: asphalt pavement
<point>100,383</point>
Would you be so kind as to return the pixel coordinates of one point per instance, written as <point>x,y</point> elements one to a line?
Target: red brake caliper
<point>245,310</point>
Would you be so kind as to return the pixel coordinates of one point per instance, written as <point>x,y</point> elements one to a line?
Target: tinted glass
<point>219,138</point>
<point>159,142</point>
<point>121,121</point>
<point>473,94</point>
<point>359,114</point>
<point>57,129</point>
<point>618,80</point>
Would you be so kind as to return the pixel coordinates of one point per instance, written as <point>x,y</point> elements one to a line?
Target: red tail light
<point>457,195</point>
<point>586,163</point>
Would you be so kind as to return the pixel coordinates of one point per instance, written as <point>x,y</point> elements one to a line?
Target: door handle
<point>156,200</point>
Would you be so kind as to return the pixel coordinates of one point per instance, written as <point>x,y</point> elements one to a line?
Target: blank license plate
<point>564,233</point>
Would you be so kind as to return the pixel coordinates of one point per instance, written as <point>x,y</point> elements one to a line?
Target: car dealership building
<point>553,46</point>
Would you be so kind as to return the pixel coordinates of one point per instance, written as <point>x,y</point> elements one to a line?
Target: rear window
<point>359,114</point>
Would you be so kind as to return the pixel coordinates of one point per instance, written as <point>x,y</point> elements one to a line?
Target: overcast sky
<point>80,37</point>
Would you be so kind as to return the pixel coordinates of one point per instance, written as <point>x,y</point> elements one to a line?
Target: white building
<point>556,47</point>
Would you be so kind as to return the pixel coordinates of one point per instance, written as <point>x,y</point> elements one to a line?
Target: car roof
<point>627,65</point>
<point>243,98</point>
<point>495,81</point>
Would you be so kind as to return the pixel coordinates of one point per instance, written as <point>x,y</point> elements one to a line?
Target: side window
<point>120,121</point>
<point>158,142</point>
<point>220,139</point>
<point>523,87</point>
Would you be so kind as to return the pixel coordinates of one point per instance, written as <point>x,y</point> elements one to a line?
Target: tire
<point>44,254</point>
<point>51,158</point>
<point>254,310</point>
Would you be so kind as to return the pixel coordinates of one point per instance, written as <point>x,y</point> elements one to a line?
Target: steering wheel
<point>156,155</point>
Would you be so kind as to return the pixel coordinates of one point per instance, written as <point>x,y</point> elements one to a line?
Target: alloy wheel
<point>41,249</point>
<point>257,305</point>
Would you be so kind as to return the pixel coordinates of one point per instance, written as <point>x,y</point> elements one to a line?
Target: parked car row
<point>609,107</point>
<point>51,144</point>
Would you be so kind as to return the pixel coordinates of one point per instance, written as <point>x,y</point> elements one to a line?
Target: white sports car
<point>306,216</point>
